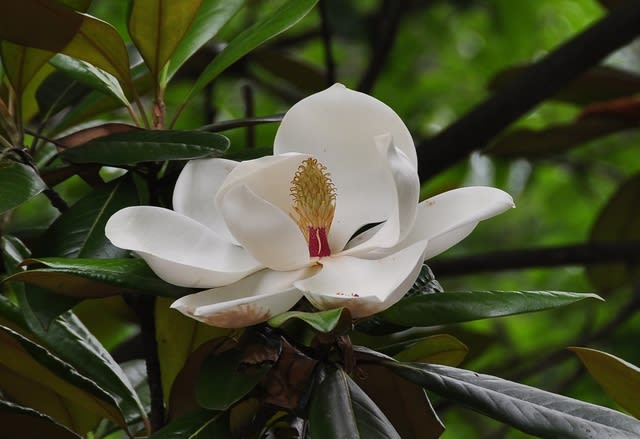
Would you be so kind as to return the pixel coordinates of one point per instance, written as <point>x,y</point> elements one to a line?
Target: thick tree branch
<point>579,254</point>
<point>539,82</point>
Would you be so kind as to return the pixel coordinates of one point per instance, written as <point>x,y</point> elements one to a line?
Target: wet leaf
<point>620,379</point>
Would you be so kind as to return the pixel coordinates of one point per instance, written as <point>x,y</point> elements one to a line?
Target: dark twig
<point>386,28</point>
<point>579,254</point>
<point>249,113</point>
<point>329,62</point>
<point>540,81</point>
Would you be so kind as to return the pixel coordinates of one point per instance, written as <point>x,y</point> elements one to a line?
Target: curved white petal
<point>195,193</point>
<point>178,249</point>
<point>364,286</point>
<point>264,230</point>
<point>448,218</point>
<point>338,126</point>
<point>403,215</point>
<point>251,300</point>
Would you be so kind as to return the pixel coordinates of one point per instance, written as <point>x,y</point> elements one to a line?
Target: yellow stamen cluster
<point>314,197</point>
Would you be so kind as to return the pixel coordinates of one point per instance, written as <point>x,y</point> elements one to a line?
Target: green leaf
<point>26,423</point>
<point>617,222</point>
<point>556,139</point>
<point>18,183</point>
<point>279,21</point>
<point>33,376</point>
<point>66,31</point>
<point>96,277</point>
<point>146,146</point>
<point>436,349</point>
<point>90,75</point>
<point>21,64</point>
<point>340,409</point>
<point>445,308</point>
<point>212,15</point>
<point>620,379</point>
<point>199,424</point>
<point>404,403</point>
<point>79,232</point>
<point>322,321</point>
<point>526,408</point>
<point>157,26</point>
<point>222,382</point>
<point>178,336</point>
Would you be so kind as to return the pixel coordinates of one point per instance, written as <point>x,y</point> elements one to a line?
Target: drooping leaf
<point>279,21</point>
<point>436,349</point>
<point>617,222</point>
<point>79,232</point>
<point>556,139</point>
<point>445,308</point>
<point>620,379</point>
<point>222,381</point>
<point>96,277</point>
<point>212,15</point>
<point>34,377</point>
<point>199,424</point>
<point>21,64</point>
<point>157,27</point>
<point>404,403</point>
<point>340,409</point>
<point>26,423</point>
<point>18,183</point>
<point>322,321</point>
<point>148,145</point>
<point>90,75</point>
<point>526,408</point>
<point>50,26</point>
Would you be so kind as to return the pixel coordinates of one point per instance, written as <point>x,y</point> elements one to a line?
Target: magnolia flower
<point>261,234</point>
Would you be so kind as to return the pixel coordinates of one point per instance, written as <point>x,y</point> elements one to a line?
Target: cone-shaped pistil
<point>314,204</point>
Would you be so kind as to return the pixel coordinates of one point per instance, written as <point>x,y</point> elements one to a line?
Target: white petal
<point>403,216</point>
<point>364,286</point>
<point>448,218</point>
<point>338,127</point>
<point>251,300</point>
<point>195,190</point>
<point>264,230</point>
<point>178,249</point>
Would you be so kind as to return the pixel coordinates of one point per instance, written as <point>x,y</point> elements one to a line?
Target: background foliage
<point>571,164</point>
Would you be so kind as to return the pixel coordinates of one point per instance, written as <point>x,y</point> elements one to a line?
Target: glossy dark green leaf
<point>404,403</point>
<point>322,321</point>
<point>279,21</point>
<point>18,183</point>
<point>90,75</point>
<point>436,349</point>
<point>26,423</point>
<point>50,26</point>
<point>445,308</point>
<point>199,424</point>
<point>620,379</point>
<point>37,367</point>
<point>556,139</point>
<point>211,16</point>
<point>526,408</point>
<point>79,231</point>
<point>157,26</point>
<point>617,222</point>
<point>146,146</point>
<point>600,83</point>
<point>222,382</point>
<point>96,277</point>
<point>341,409</point>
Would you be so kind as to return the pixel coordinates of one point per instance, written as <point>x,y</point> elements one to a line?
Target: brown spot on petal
<point>246,314</point>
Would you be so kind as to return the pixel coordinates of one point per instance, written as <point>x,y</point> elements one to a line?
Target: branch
<point>329,62</point>
<point>540,81</point>
<point>578,254</point>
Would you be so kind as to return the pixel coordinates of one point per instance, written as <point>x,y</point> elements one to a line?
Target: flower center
<point>314,204</point>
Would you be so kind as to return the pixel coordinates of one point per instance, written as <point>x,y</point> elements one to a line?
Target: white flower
<point>263,233</point>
